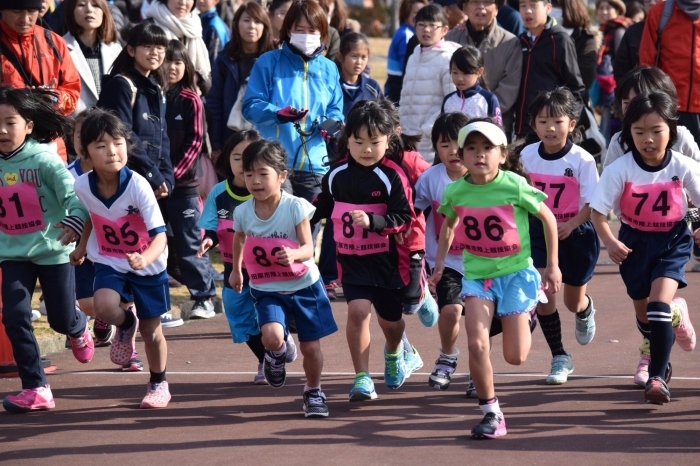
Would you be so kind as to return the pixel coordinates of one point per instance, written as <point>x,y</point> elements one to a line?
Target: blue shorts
<point>654,255</point>
<point>309,306</point>
<point>240,313</point>
<point>578,254</point>
<point>515,293</point>
<point>84,279</point>
<point>150,294</point>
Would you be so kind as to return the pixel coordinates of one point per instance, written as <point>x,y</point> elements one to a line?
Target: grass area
<point>379,50</point>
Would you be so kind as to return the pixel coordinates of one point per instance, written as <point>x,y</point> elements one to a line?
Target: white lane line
<point>352,374</point>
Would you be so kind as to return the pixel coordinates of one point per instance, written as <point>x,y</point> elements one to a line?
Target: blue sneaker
<point>363,389</point>
<point>412,359</point>
<point>394,369</point>
<point>428,311</point>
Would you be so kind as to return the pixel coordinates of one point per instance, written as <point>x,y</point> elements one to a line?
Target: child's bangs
<point>153,36</point>
<point>553,109</point>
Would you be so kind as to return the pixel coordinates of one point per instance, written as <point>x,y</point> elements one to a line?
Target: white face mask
<point>305,43</point>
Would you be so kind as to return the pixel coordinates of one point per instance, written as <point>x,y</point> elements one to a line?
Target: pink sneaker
<point>134,365</point>
<point>29,399</point>
<point>684,331</point>
<point>123,345</point>
<point>642,375</point>
<point>157,396</point>
<point>83,347</point>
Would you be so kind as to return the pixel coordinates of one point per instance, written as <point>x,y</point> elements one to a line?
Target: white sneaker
<point>562,366</point>
<point>203,309</point>
<point>168,321</point>
<point>584,330</point>
<point>36,315</point>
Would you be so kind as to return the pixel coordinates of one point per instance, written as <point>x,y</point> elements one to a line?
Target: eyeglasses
<point>483,3</point>
<point>428,26</point>
<point>156,48</point>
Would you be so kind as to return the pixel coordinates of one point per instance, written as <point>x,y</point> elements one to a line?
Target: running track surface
<point>217,416</point>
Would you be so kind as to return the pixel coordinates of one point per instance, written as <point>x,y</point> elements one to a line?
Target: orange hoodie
<point>43,64</point>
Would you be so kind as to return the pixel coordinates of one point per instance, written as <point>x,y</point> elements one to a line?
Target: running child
<point>217,223</point>
<point>37,198</point>
<point>429,190</point>
<point>369,199</point>
<point>646,188</point>
<point>487,212</point>
<point>272,236</point>
<point>471,97</point>
<point>568,175</point>
<point>125,239</point>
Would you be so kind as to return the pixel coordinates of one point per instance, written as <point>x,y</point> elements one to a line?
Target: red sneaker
<point>83,347</point>
<point>30,399</point>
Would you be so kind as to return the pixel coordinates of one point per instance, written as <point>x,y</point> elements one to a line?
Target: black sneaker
<point>442,373</point>
<point>104,333</point>
<point>657,391</point>
<point>471,389</point>
<point>273,367</point>
<point>315,403</point>
<point>491,426</point>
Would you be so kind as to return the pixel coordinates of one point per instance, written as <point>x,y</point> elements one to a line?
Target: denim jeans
<point>183,215</point>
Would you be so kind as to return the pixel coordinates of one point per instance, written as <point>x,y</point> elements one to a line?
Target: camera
<point>333,129</point>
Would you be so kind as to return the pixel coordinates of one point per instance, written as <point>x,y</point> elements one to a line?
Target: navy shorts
<point>150,294</point>
<point>388,303</point>
<point>578,254</point>
<point>654,255</point>
<point>309,306</point>
<point>449,289</point>
<point>84,279</point>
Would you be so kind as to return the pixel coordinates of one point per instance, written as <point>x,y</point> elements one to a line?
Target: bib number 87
<point>129,237</point>
<point>491,228</point>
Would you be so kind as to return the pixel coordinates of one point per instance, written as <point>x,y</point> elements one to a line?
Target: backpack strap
<point>49,40</point>
<point>131,85</point>
<point>663,22</point>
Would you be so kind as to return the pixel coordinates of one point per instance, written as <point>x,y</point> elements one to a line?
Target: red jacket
<point>415,165</point>
<point>680,53</point>
<point>42,63</point>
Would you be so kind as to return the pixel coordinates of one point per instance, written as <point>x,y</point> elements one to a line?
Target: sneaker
<point>363,389</point>
<point>123,345</point>
<point>202,309</point>
<point>428,311</point>
<point>168,321</point>
<point>682,327</point>
<point>273,368</point>
<point>642,374</point>
<point>42,305</point>
<point>413,360</point>
<point>36,315</point>
<point>83,346</point>
<point>562,366</point>
<point>585,328</point>
<point>471,389</point>
<point>259,378</point>
<point>491,426</point>
<point>104,333</point>
<point>134,365</point>
<point>656,391</point>
<point>291,349</point>
<point>442,373</point>
<point>157,396</point>
<point>315,403</point>
<point>394,369</point>
<point>29,399</point>
<point>331,291</point>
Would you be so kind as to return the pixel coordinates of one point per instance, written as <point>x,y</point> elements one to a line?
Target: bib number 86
<point>491,228</point>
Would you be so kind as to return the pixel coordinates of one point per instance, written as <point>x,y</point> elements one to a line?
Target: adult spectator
<point>251,36</point>
<point>92,41</point>
<point>453,9</point>
<point>333,42</point>
<point>635,11</point>
<point>36,57</point>
<point>676,56</point>
<point>57,21</point>
<point>297,76</point>
<point>575,20</point>
<point>502,53</point>
<point>215,32</point>
<point>398,49</point>
<point>179,21</point>
<point>509,18</point>
<point>627,56</point>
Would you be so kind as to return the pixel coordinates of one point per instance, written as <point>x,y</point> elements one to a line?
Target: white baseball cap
<point>491,131</point>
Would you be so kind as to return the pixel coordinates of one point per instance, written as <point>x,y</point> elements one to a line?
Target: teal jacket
<point>38,167</point>
<point>280,78</point>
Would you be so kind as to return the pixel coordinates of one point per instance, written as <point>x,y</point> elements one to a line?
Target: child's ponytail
<point>37,105</point>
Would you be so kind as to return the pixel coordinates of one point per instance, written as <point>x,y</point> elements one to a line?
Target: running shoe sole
<point>359,396</point>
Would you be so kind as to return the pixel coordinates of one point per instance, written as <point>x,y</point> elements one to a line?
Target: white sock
<point>490,408</point>
<point>282,350</point>
<point>307,388</point>
<point>450,356</point>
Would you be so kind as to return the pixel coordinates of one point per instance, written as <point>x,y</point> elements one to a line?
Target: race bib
<point>456,247</point>
<point>20,209</point>
<point>259,256</point>
<point>652,207</point>
<point>353,240</point>
<point>488,231</point>
<point>224,231</point>
<point>128,234</point>
<point>562,194</point>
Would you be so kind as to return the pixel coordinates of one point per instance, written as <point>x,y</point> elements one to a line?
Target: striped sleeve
<point>194,133</point>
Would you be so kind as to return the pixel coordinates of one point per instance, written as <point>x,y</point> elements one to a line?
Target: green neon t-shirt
<point>493,223</point>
